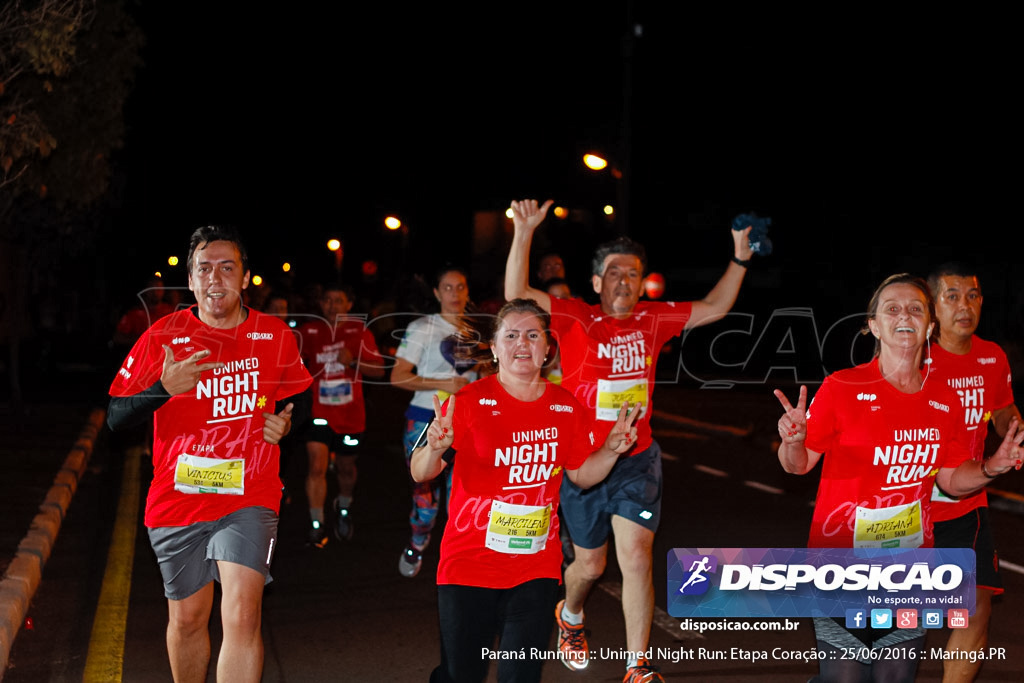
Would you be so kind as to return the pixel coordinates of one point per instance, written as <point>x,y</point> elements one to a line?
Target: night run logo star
<point>261,401</point>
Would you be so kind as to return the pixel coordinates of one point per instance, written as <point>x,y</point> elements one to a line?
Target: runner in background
<point>977,369</point>
<point>339,351</point>
<point>426,365</point>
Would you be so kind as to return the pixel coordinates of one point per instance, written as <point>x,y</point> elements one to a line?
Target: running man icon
<point>697,569</point>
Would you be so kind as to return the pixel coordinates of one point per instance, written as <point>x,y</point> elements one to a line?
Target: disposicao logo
<point>818,582</point>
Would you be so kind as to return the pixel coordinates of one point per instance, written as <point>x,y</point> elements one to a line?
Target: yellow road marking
<point>105,661</point>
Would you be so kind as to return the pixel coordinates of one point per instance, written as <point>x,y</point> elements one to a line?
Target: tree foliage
<point>66,70</point>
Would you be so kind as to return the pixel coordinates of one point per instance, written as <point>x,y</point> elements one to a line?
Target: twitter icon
<point>881,618</point>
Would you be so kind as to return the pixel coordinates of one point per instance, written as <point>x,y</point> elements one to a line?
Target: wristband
<point>741,262</point>
<point>984,470</point>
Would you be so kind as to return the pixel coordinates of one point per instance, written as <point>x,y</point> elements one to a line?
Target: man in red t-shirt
<point>979,372</point>
<point>214,378</point>
<point>339,351</point>
<point>609,352</point>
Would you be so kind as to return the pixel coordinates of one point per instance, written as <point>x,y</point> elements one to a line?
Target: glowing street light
<point>172,260</point>
<point>618,214</point>
<point>257,280</point>
<point>392,223</point>
<point>335,246</point>
<point>286,266</point>
<point>595,162</point>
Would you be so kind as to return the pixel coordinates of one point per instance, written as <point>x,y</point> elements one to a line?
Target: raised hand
<point>622,437</point>
<point>177,377</point>
<point>441,434</point>
<point>526,215</point>
<point>741,243</point>
<point>1010,454</point>
<point>793,423</point>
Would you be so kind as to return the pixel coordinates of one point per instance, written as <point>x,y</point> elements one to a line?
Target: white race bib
<point>335,392</point>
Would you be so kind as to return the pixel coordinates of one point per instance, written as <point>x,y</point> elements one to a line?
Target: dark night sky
<point>867,141</point>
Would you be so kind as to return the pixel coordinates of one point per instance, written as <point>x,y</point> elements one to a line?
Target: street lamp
<point>339,252</point>
<point>595,162</point>
<point>598,163</point>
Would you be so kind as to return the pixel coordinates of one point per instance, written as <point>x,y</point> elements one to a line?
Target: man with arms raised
<point>609,352</point>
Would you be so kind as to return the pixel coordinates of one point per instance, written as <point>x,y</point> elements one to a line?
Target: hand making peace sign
<point>441,434</point>
<point>793,423</point>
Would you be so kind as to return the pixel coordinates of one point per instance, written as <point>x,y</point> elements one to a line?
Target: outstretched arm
<point>722,296</point>
<point>972,475</point>
<point>526,216</point>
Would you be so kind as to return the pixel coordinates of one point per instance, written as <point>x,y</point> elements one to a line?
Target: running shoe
<point>572,642</point>
<point>343,527</point>
<point>317,537</point>
<point>410,562</point>
<point>642,672</point>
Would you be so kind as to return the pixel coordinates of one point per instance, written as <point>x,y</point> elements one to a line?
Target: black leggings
<point>520,618</point>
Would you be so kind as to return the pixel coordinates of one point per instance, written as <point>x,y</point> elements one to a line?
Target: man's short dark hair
<point>619,245</point>
<point>343,287</point>
<point>217,233</point>
<point>951,269</point>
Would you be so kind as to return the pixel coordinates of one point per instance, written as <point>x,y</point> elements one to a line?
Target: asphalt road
<point>345,614</point>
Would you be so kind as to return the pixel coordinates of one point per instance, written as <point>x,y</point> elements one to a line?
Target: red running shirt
<point>337,388</point>
<point>606,361</point>
<point>513,452</point>
<point>881,450</point>
<point>222,418</point>
<point>982,381</point>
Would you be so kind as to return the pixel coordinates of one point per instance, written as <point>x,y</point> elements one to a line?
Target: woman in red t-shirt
<point>889,434</point>
<point>509,437</point>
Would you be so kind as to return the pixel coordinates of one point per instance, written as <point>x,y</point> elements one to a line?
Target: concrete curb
<point>25,572</point>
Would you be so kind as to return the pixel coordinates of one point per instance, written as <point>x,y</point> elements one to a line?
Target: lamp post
<point>336,246</point>
<point>599,163</point>
<point>395,224</point>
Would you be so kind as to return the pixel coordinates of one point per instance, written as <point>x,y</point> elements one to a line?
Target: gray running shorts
<point>188,555</point>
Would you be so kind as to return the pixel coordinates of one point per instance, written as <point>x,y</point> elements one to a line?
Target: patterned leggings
<point>426,495</point>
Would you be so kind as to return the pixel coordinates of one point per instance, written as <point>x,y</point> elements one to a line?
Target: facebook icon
<point>856,618</point>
